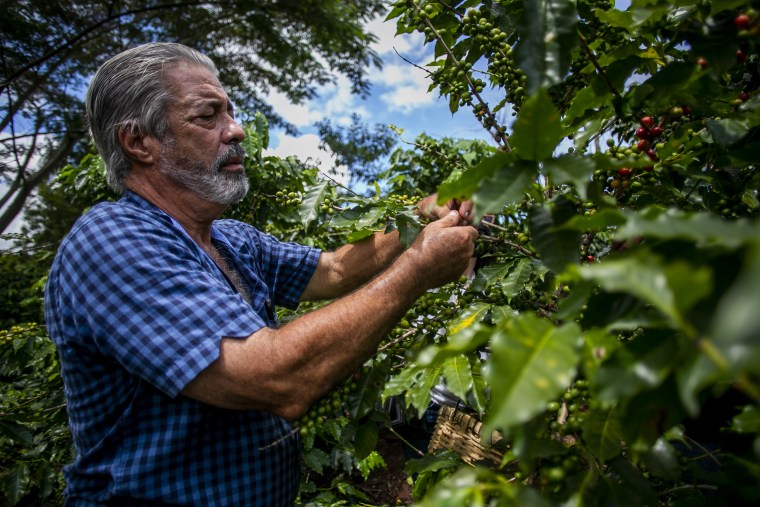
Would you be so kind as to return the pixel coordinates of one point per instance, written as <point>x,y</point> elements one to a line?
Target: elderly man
<point>180,384</point>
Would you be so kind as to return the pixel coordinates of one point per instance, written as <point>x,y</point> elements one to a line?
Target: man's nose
<point>233,132</point>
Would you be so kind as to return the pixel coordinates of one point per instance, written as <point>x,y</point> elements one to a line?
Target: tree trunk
<point>22,192</point>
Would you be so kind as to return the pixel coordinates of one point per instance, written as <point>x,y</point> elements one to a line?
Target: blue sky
<point>399,97</point>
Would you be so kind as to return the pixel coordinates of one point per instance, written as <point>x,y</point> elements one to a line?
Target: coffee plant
<point>609,330</point>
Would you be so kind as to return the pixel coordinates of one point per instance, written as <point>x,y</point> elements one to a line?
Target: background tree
<point>50,49</point>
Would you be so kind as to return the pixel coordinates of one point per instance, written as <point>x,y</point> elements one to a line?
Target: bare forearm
<point>351,266</point>
<point>313,353</point>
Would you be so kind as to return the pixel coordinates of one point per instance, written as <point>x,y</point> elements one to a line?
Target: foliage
<point>34,438</point>
<point>50,50</point>
<point>610,332</point>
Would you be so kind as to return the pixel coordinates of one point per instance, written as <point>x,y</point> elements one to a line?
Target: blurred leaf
<point>531,363</point>
<point>572,170</point>
<point>748,421</point>
<point>642,277</point>
<point>736,323</point>
<point>537,130</point>
<point>17,432</point>
<point>507,186</point>
<point>547,39</point>
<point>662,460</point>
<point>727,131</point>
<point>703,228</point>
<point>601,432</point>
<point>468,182</point>
<point>557,246</point>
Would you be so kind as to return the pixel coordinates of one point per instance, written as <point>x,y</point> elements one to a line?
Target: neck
<point>193,213</point>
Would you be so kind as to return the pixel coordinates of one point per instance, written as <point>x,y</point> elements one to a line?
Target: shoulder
<point>118,229</point>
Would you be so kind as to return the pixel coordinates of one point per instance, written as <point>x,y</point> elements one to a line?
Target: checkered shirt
<point>137,310</point>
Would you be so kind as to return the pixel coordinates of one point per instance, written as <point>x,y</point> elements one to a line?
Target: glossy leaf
<point>532,362</point>
<point>312,200</point>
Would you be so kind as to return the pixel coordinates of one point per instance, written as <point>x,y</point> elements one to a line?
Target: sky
<point>399,96</point>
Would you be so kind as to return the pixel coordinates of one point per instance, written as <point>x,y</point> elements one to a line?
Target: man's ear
<point>140,148</point>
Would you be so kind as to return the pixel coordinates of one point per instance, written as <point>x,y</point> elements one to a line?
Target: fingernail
<point>467,214</point>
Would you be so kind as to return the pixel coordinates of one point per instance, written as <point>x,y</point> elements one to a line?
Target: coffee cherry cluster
<point>492,43</point>
<point>327,206</point>
<point>287,198</point>
<point>334,404</point>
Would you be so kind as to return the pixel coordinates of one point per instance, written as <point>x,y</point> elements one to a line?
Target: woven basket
<point>460,432</point>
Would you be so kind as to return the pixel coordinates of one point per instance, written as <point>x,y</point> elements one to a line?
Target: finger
<point>466,209</point>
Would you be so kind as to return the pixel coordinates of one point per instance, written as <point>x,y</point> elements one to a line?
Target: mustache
<point>233,152</point>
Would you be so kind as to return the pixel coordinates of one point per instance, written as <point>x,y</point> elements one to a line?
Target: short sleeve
<point>285,267</point>
<point>149,297</point>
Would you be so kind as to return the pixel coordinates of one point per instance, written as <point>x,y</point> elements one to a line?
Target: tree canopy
<point>50,49</point>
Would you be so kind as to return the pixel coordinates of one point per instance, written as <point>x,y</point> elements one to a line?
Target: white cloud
<point>306,148</point>
<point>405,87</point>
<point>299,115</point>
<point>409,45</point>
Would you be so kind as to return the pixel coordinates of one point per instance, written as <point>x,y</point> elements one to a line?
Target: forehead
<point>191,84</point>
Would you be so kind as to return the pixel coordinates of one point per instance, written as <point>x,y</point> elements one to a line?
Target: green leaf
<point>643,277</point>
<point>16,483</point>
<point>547,39</point>
<point>518,277</point>
<point>456,371</point>
<point>601,432</point>
<point>557,246</point>
<point>495,272</point>
<point>365,397</point>
<point>478,396</point>
<point>727,131</point>
<point>572,170</point>
<point>736,324</point>
<point>532,362</point>
<point>407,227</point>
<point>312,200</point>
<point>748,421</point>
<point>468,182</point>
<point>17,432</point>
<point>365,439</point>
<point>537,130</point>
<point>316,459</point>
<point>433,462</point>
<point>703,228</point>
<point>662,460</point>
<point>507,186</point>
<point>373,461</point>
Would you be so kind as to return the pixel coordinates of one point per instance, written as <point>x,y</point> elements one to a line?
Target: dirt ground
<point>390,485</point>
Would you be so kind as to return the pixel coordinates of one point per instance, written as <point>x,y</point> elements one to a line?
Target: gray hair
<point>128,92</point>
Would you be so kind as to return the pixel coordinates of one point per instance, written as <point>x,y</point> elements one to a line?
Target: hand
<point>442,250</point>
<point>429,208</point>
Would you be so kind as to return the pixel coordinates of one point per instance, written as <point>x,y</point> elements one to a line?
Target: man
<point>180,385</point>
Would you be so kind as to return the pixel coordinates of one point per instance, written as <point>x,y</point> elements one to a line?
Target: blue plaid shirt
<point>137,310</point>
